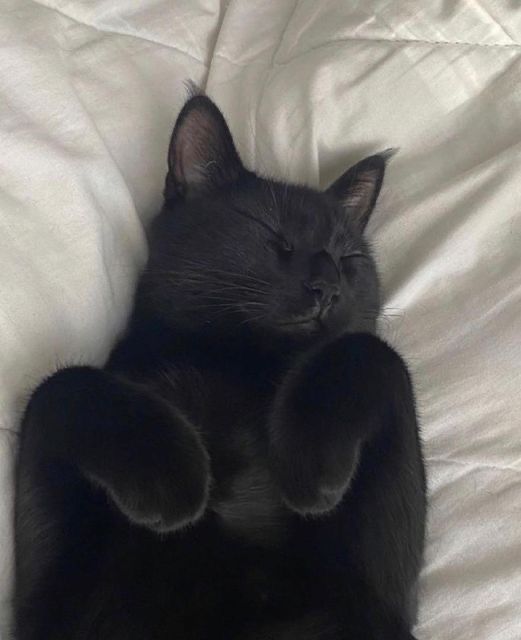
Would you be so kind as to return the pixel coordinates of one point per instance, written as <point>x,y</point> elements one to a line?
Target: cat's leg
<point>147,456</point>
<point>345,443</point>
<point>87,434</point>
<point>325,624</point>
<point>328,408</point>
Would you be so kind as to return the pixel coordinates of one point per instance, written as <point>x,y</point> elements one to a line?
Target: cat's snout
<point>326,294</point>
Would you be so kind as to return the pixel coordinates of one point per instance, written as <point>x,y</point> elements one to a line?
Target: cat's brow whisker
<point>273,196</point>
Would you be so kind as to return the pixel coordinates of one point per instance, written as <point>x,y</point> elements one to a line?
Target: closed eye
<point>355,254</point>
<point>282,246</point>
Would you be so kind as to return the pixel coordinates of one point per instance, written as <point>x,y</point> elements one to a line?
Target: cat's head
<point>234,251</point>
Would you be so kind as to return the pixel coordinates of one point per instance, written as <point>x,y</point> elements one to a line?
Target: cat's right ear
<point>202,156</point>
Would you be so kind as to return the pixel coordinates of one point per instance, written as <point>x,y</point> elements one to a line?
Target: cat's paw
<point>323,412</point>
<point>164,485</point>
<point>314,478</point>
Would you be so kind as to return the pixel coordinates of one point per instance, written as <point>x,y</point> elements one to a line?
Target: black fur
<point>247,465</point>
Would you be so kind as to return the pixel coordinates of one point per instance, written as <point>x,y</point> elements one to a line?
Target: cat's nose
<point>326,293</point>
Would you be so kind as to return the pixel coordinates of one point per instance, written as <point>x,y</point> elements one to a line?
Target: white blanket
<point>88,94</point>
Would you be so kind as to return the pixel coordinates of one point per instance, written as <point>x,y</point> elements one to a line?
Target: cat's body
<point>221,480</point>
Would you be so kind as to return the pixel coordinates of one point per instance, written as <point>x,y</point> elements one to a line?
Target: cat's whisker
<point>252,320</point>
<point>202,272</point>
<point>273,196</point>
<point>233,293</point>
<point>221,288</point>
<point>398,309</point>
<point>208,278</point>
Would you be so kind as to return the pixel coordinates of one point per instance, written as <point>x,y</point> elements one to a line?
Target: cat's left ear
<point>201,156</point>
<point>358,188</point>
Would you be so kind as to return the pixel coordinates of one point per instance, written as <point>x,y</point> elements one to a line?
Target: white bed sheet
<point>88,95</point>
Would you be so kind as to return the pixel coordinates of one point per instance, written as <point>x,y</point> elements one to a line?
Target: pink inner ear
<point>361,191</point>
<point>178,163</point>
<point>202,155</point>
<point>192,148</point>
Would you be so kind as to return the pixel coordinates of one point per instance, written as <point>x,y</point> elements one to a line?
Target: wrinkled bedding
<point>88,95</point>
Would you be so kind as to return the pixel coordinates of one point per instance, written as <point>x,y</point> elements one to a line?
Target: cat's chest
<point>248,504</point>
<point>231,414</point>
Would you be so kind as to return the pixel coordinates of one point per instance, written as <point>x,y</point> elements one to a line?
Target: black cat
<point>247,466</point>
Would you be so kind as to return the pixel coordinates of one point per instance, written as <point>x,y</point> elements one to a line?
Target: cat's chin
<point>306,326</point>
<point>316,328</point>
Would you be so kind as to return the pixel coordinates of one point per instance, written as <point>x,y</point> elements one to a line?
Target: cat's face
<point>232,251</point>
